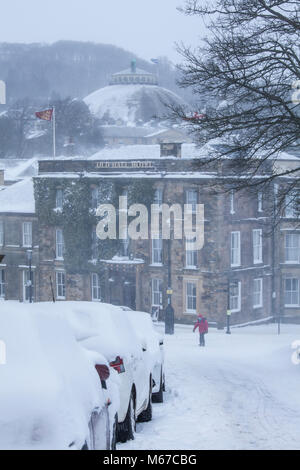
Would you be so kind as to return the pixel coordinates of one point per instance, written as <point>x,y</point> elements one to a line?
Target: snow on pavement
<point>241,392</point>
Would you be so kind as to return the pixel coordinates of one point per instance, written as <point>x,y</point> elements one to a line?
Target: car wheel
<point>114,435</point>
<point>158,397</point>
<point>126,429</point>
<point>146,415</point>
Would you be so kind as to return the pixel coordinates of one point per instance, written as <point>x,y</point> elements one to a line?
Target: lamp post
<point>169,315</point>
<point>29,282</point>
<point>228,313</point>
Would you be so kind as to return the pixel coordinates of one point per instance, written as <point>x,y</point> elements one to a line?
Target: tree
<point>8,132</point>
<point>248,72</point>
<point>75,122</point>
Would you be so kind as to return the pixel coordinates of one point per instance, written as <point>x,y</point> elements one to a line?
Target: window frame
<point>193,254</point>
<point>238,248</point>
<point>29,234</point>
<point>155,250</point>
<point>291,305</point>
<point>1,232</point>
<point>192,296</point>
<point>238,296</point>
<point>2,283</point>
<point>60,285</point>
<point>259,292</point>
<point>294,247</point>
<point>95,198</point>
<point>59,243</point>
<point>232,209</point>
<point>96,287</point>
<point>25,279</point>
<point>257,248</point>
<point>260,207</point>
<point>193,202</point>
<point>59,201</point>
<point>155,292</point>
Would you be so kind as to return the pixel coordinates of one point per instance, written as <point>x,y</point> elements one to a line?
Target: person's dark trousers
<point>202,339</point>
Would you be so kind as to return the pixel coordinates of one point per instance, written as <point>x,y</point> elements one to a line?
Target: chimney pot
<point>171,149</point>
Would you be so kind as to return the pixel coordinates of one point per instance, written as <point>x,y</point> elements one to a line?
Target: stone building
<point>234,268</point>
<point>18,242</point>
<point>247,262</point>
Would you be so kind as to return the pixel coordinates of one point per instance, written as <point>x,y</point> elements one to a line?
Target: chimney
<point>170,149</point>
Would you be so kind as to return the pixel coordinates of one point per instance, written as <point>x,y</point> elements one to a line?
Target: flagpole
<point>54,132</point>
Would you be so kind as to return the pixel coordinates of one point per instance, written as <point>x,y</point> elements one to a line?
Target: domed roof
<point>131,105</point>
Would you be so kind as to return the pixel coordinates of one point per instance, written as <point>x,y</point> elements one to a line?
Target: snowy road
<point>240,392</point>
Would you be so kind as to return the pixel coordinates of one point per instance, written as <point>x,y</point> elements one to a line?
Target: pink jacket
<point>201,324</point>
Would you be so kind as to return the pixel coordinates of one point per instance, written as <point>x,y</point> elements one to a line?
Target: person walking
<point>202,325</point>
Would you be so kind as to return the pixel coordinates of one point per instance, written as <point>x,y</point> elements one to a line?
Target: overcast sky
<point>148,28</point>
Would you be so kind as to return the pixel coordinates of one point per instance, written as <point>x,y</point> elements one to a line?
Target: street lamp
<point>169,314</point>
<point>29,282</point>
<point>228,312</point>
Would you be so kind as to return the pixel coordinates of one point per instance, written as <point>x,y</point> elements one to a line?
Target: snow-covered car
<point>50,395</point>
<point>105,329</point>
<point>154,345</point>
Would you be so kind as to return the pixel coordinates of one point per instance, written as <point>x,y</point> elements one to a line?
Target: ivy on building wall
<point>77,218</point>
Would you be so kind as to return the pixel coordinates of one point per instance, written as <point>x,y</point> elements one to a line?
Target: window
<point>257,246</point>
<point>191,254</point>
<point>27,234</point>
<point>157,251</point>
<point>95,247</point>
<point>96,287</point>
<point>1,233</point>
<point>235,296</point>
<point>60,245</point>
<point>60,285</point>
<point>2,284</point>
<point>192,199</point>
<point>235,249</point>
<point>59,199</point>
<point>158,198</point>
<point>232,211</point>
<point>26,285</point>
<point>157,289</point>
<point>260,202</point>
<point>292,248</point>
<point>291,292</point>
<point>191,297</point>
<point>291,205</point>
<point>96,198</point>
<point>257,293</point>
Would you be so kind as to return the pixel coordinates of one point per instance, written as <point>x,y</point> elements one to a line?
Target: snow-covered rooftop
<point>131,104</point>
<point>15,169</point>
<point>137,71</point>
<point>148,152</point>
<point>18,198</point>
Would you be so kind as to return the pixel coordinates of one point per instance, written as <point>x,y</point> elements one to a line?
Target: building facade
<point>19,243</point>
<point>248,264</point>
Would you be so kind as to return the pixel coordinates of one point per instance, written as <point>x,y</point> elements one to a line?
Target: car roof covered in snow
<point>49,386</point>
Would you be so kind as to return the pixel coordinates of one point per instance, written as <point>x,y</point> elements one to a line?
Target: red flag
<point>45,115</point>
